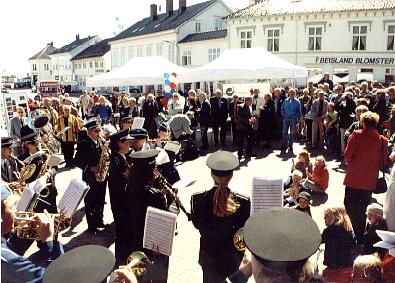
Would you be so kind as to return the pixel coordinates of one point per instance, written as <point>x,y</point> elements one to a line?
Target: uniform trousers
<point>356,201</point>
<point>94,203</point>
<point>242,135</point>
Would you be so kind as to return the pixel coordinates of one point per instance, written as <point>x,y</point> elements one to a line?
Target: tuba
<point>39,120</point>
<point>138,263</point>
<point>25,225</point>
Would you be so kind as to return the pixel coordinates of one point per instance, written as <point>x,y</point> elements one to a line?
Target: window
<point>139,51</point>
<point>34,67</point>
<point>390,41</point>
<point>159,49</point>
<point>96,64</point>
<point>213,53</point>
<point>246,39</point>
<point>122,55</point>
<point>315,38</point>
<point>79,65</point>
<point>90,65</point>
<point>359,37</point>
<point>46,67</point>
<point>101,64</point>
<point>84,65</point>
<point>273,40</point>
<point>130,52</point>
<point>218,24</point>
<point>198,26</point>
<point>186,58</point>
<point>148,51</point>
<point>170,52</point>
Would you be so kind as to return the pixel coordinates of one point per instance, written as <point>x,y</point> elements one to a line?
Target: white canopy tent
<point>244,64</point>
<point>137,71</point>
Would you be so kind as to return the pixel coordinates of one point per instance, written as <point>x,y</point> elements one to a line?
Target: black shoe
<point>283,148</point>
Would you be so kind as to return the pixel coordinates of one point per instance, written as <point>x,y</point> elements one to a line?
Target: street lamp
<point>178,49</point>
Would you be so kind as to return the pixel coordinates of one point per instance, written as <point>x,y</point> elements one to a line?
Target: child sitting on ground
<point>319,180</point>
<point>292,193</point>
<point>303,200</point>
<point>302,164</point>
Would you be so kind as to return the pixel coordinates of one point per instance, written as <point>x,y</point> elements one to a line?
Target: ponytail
<point>223,202</point>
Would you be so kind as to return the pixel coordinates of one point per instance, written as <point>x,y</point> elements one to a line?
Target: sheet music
<point>159,230</point>
<point>173,146</point>
<point>39,184</point>
<point>25,200</point>
<point>138,122</point>
<point>266,192</point>
<point>75,192</point>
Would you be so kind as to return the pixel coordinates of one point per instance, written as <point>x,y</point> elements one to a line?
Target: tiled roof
<point>205,36</point>
<point>287,7</point>
<point>99,49</point>
<point>163,22</point>
<point>73,45</point>
<point>43,54</point>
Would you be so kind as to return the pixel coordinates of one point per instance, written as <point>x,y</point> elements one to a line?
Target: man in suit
<point>16,123</point>
<point>233,106</point>
<point>204,117</point>
<point>318,112</point>
<point>219,115</point>
<point>244,127</point>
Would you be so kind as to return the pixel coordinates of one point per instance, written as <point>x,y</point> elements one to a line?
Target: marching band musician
<point>142,193</point>
<point>117,180</point>
<point>38,158</point>
<point>16,268</point>
<point>140,136</point>
<point>218,214</point>
<point>87,158</point>
<point>9,163</point>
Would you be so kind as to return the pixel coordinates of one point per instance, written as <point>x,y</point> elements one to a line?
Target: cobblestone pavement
<point>184,265</point>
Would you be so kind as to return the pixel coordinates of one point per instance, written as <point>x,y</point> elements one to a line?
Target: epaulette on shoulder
<point>241,197</point>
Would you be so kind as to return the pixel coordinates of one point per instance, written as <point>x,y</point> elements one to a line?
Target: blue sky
<point>30,25</point>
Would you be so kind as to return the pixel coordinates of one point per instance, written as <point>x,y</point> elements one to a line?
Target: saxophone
<point>103,163</point>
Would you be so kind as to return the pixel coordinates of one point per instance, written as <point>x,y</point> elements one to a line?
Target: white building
<point>40,64</point>
<point>94,60</point>
<point>160,34</point>
<point>62,67</point>
<point>353,39</point>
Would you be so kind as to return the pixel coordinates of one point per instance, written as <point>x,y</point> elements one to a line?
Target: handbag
<point>381,184</point>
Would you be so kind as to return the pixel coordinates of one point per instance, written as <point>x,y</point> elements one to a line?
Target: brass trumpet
<point>138,263</point>
<point>25,225</point>
<point>238,241</point>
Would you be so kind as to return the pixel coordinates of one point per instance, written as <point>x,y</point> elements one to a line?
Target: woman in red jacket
<point>364,155</point>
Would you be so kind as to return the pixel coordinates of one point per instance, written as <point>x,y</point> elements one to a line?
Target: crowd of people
<point>137,164</point>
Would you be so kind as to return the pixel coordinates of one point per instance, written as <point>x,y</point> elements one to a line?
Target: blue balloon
<point>166,75</point>
<point>168,95</point>
<point>172,91</point>
<point>167,82</point>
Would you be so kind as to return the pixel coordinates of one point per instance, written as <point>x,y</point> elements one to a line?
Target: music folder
<point>72,197</point>
<point>138,122</point>
<point>27,200</point>
<point>159,230</point>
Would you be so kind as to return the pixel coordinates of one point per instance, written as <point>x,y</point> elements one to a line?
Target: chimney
<point>169,7</point>
<point>154,12</point>
<point>77,37</point>
<point>182,6</point>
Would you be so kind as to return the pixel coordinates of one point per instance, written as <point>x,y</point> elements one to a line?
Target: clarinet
<point>167,189</point>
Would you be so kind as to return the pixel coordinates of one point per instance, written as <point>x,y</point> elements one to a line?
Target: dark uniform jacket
<point>88,154</point>
<point>204,115</point>
<point>117,182</point>
<point>14,165</point>
<point>216,233</point>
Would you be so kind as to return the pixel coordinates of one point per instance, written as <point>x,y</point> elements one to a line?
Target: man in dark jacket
<point>219,115</point>
<point>244,127</point>
<point>326,79</point>
<point>233,106</point>
<point>204,117</point>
